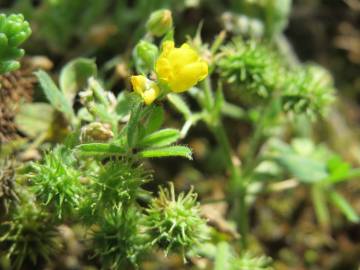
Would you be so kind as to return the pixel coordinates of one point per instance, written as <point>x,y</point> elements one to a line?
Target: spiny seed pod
<point>55,182</point>
<point>308,90</point>
<point>14,30</point>
<point>251,65</point>
<point>160,22</point>
<point>28,237</point>
<point>175,223</point>
<point>116,182</point>
<point>118,239</point>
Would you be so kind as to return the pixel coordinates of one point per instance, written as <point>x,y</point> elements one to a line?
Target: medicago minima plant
<point>94,180</point>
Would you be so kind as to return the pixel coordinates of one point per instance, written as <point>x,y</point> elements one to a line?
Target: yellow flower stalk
<point>146,88</point>
<point>181,68</point>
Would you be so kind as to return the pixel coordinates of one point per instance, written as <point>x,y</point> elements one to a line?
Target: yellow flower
<point>181,68</point>
<point>146,88</point>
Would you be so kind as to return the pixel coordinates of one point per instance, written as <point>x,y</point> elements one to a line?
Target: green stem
<point>321,209</point>
<point>250,161</point>
<point>237,185</point>
<point>209,97</point>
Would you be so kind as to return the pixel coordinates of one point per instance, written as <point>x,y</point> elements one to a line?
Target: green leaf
<point>155,119</point>
<point>160,138</point>
<point>179,104</point>
<point>34,119</point>
<point>170,151</point>
<point>353,173</point>
<point>100,149</point>
<point>125,102</point>
<point>133,125</point>
<point>74,75</point>
<point>304,169</point>
<point>340,170</point>
<point>54,95</point>
<point>340,202</point>
<point>85,115</point>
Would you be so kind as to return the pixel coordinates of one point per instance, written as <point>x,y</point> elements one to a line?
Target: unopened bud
<point>145,54</point>
<point>96,132</point>
<point>160,22</point>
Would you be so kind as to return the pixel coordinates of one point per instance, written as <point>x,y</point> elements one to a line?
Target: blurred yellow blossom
<point>146,88</point>
<point>181,68</point>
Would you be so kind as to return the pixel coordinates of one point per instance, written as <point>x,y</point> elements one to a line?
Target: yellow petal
<point>163,69</point>
<point>139,83</point>
<point>182,56</point>
<point>181,67</point>
<point>203,70</point>
<point>151,94</point>
<point>167,46</point>
<point>188,76</point>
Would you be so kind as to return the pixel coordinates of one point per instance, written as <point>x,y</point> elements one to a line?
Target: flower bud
<point>159,22</point>
<point>145,54</point>
<point>96,132</point>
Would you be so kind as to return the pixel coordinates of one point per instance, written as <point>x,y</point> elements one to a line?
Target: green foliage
<point>92,149</point>
<point>14,30</point>
<point>118,239</point>
<point>56,182</point>
<point>29,236</point>
<point>175,223</point>
<point>74,76</point>
<point>54,95</point>
<point>35,119</point>
<point>322,165</point>
<point>93,180</point>
<point>179,104</point>
<point>251,66</point>
<point>63,20</point>
<point>308,90</point>
<point>160,138</point>
<point>318,167</point>
<point>170,151</point>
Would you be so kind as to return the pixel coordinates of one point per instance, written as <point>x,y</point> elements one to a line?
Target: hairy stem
<point>321,209</point>
<point>237,185</point>
<point>237,182</point>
